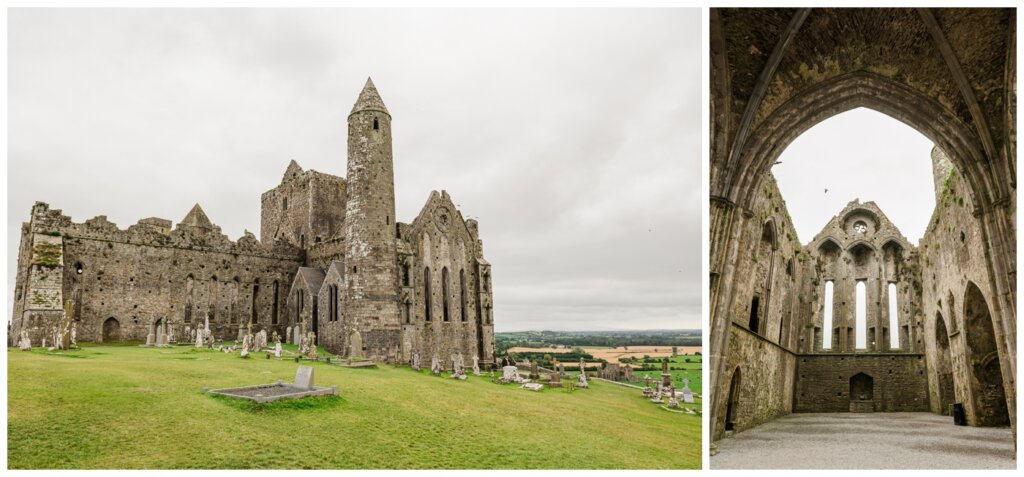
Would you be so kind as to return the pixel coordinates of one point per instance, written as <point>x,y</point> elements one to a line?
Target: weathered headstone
<point>277,350</point>
<point>26,343</point>
<point>435,365</point>
<point>510,374</point>
<point>556,380</point>
<point>533,386</point>
<point>476,366</point>
<point>304,377</point>
<point>534,372</point>
<point>288,334</point>
<point>311,346</point>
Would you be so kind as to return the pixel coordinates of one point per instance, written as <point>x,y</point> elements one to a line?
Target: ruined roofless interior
<point>775,346</point>
<point>332,259</point>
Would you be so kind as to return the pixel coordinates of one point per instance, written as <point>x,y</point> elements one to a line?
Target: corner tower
<point>371,270</point>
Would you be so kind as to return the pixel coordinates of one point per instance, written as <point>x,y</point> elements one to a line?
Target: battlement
<point>193,233</point>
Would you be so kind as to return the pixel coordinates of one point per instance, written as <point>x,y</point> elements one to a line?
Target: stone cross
<point>311,346</point>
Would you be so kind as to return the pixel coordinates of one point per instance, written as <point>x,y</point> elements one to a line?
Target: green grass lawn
<point>691,371</point>
<point>132,407</point>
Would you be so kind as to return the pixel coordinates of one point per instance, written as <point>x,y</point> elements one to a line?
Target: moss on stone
<point>46,254</point>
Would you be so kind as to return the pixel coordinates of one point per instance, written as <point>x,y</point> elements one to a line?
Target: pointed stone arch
<point>987,390</point>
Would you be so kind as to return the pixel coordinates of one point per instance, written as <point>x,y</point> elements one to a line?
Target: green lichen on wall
<point>46,254</point>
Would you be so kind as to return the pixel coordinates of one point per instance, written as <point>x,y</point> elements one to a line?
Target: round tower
<point>371,268</point>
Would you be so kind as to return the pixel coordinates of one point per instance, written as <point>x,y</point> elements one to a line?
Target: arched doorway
<point>862,393</point>
<point>943,367</point>
<point>983,359</point>
<point>733,403</point>
<point>111,330</point>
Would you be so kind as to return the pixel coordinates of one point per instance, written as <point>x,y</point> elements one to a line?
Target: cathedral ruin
<point>332,258</point>
<point>858,319</point>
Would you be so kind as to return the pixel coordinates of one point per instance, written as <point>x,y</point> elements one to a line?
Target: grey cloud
<point>572,135</point>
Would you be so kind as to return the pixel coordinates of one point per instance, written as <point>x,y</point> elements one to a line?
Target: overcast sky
<point>858,154</point>
<point>573,136</point>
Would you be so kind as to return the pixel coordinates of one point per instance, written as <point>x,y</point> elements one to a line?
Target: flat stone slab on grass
<point>362,363</point>
<point>263,393</point>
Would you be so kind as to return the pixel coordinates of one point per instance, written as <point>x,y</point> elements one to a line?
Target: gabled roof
<point>311,278</point>
<point>197,218</point>
<point>339,268</point>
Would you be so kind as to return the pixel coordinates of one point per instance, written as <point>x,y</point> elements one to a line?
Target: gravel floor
<point>892,440</point>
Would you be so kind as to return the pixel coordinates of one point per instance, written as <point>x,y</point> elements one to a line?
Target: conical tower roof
<point>369,100</point>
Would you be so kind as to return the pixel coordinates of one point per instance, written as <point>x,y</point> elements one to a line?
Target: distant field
<point>612,355</point>
<point>130,407</point>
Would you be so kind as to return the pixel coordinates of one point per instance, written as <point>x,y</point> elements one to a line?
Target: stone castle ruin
<point>858,319</point>
<point>333,260</point>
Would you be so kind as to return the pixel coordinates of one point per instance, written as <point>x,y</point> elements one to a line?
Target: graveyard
<point>145,407</point>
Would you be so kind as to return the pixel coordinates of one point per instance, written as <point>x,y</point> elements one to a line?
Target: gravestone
<point>288,334</point>
<point>687,393</point>
<point>556,380</point>
<point>534,373</point>
<point>304,377</point>
<point>277,350</point>
<point>476,366</point>
<point>510,374</point>
<point>435,365</point>
<point>533,386</point>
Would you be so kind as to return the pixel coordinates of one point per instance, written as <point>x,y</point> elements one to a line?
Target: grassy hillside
<point>131,407</point>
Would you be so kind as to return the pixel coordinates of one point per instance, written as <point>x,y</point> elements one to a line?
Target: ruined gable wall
<point>877,257</point>
<point>439,238</point>
<point>315,208</point>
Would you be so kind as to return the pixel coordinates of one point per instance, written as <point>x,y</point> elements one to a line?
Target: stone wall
<point>445,250</point>
<point>861,245</point>
<point>958,350</point>
<point>824,382</point>
<point>149,272</point>
<point>764,389</point>
<point>306,208</point>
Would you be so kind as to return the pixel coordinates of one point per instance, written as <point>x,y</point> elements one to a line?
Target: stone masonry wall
<point>953,259</point>
<point>766,382</point>
<point>147,273</point>
<point>899,381</point>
